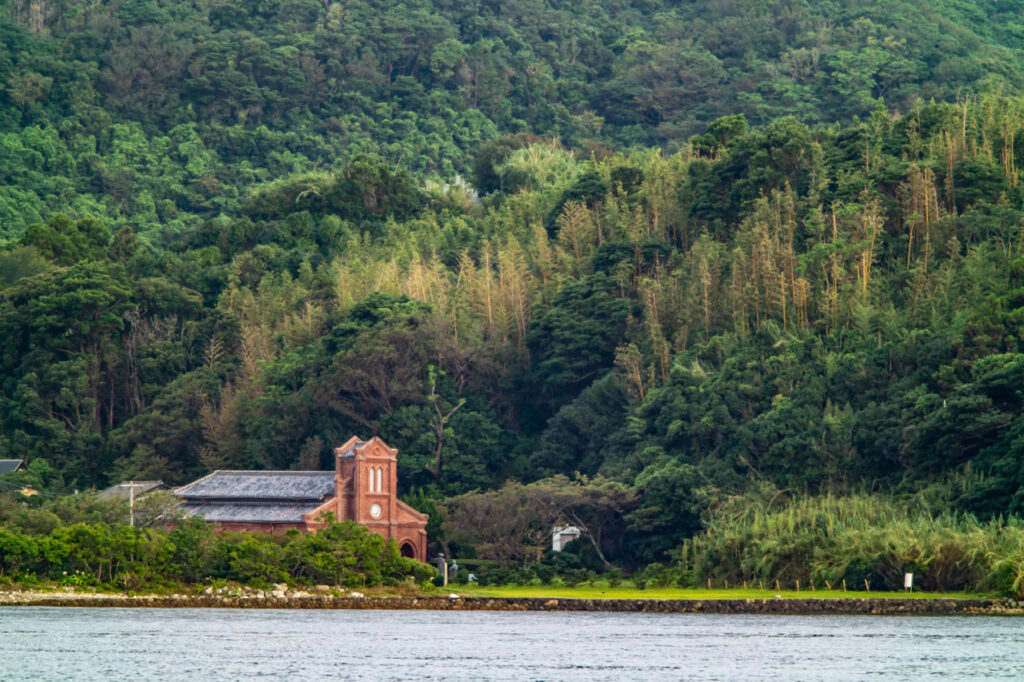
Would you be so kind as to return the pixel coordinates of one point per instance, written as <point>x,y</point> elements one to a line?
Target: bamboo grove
<point>827,310</point>
<point>652,268</point>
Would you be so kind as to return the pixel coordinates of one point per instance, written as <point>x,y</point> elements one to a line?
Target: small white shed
<point>562,536</point>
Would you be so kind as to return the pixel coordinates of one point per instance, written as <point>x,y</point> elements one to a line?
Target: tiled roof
<point>260,486</point>
<point>123,490</point>
<point>242,512</point>
<point>9,465</point>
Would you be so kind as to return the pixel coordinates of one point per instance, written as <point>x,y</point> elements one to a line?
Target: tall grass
<point>864,540</point>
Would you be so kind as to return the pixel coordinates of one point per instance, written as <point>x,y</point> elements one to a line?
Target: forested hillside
<point>159,115</point>
<point>671,253</point>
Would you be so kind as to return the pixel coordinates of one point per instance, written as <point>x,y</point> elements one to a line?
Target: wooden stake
<point>727,584</point>
<point>760,584</point>
<point>776,584</point>
<point>844,584</point>
<point>797,585</point>
<point>709,583</point>
<point>828,586</point>
<point>867,587</point>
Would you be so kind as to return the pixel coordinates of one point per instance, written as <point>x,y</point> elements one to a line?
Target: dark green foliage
<point>234,236</point>
<point>66,242</point>
<point>585,434</point>
<point>158,116</point>
<point>81,554</point>
<point>720,132</point>
<point>626,179</point>
<point>588,189</point>
<point>365,190</point>
<point>782,155</point>
<point>639,260</point>
<point>573,343</point>
<point>487,177</point>
<point>669,509</point>
<point>475,451</point>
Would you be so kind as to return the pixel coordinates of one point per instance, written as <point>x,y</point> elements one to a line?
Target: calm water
<point>223,644</point>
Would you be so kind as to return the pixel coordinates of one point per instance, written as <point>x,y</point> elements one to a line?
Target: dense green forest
<point>615,263</point>
<point>160,115</point>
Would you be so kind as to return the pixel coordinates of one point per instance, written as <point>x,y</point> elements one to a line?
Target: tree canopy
<point>630,248</point>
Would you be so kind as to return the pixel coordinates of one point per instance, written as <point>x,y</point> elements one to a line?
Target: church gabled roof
<point>351,451</point>
<point>305,486</point>
<point>250,512</point>
<point>256,496</point>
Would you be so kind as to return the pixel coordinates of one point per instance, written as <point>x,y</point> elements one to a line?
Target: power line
<point>44,493</point>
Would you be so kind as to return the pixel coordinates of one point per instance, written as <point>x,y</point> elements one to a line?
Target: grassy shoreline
<point>628,592</point>
<point>454,602</point>
<point>16,593</point>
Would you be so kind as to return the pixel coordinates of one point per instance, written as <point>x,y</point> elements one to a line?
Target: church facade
<point>363,488</point>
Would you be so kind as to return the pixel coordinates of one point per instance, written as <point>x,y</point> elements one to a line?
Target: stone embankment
<point>326,598</point>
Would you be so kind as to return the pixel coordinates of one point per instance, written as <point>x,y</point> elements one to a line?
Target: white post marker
<point>131,500</point>
<point>908,582</point>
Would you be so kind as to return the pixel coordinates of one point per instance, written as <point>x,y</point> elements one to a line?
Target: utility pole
<point>131,485</point>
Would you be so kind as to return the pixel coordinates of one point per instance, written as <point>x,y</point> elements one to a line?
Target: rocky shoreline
<point>280,599</point>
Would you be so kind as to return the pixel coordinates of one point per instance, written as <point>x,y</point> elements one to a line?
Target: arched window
<point>376,479</point>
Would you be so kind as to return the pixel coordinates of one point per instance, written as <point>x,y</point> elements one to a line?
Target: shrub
<point>869,540</point>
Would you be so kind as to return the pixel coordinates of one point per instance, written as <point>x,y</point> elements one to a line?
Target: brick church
<point>362,488</point>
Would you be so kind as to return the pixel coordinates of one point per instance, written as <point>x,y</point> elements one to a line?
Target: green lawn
<point>629,592</point>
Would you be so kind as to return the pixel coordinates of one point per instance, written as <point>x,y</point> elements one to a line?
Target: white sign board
<point>908,581</point>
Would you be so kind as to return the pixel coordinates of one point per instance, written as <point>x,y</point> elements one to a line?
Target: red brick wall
<point>354,498</point>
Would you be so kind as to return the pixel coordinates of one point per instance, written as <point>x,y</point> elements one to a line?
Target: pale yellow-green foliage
<point>824,540</point>
<point>577,237</point>
<point>780,269</point>
<point>545,165</point>
<point>276,315</point>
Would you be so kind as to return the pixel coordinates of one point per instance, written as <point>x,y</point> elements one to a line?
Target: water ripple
<point>41,643</point>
